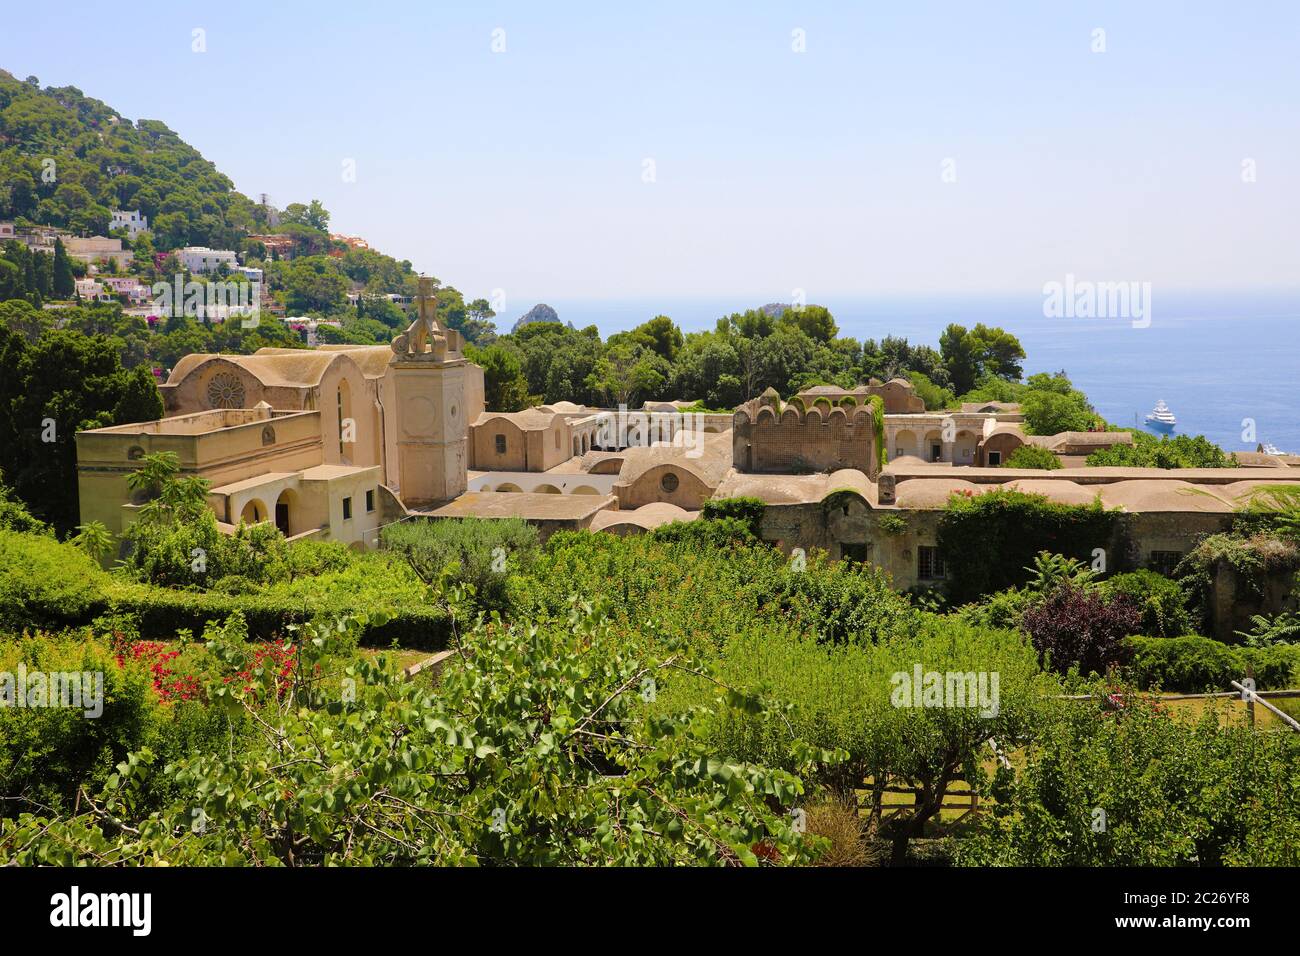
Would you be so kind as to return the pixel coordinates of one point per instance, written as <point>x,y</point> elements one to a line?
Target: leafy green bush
<point>1032,456</point>
<point>1141,787</point>
<point>749,510</point>
<point>1192,664</point>
<point>14,515</point>
<point>46,584</point>
<point>484,552</point>
<point>1158,599</point>
<point>537,750</point>
<point>1251,559</point>
<point>162,612</point>
<point>1000,610</point>
<point>46,752</point>
<point>1148,451</point>
<point>707,533</point>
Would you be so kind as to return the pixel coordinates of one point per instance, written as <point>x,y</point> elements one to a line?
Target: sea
<point>1226,363</point>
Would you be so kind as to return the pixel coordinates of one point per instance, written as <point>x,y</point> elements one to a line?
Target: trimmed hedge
<point>164,611</point>
<point>53,585</point>
<point>1192,664</point>
<point>47,584</point>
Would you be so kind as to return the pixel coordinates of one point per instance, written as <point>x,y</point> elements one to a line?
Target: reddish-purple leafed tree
<point>1075,626</point>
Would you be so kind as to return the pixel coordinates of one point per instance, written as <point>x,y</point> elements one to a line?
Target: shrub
<point>14,515</point>
<point>891,524</point>
<point>537,750</point>
<point>839,823</point>
<point>1192,664</point>
<point>1173,793</point>
<point>1147,451</point>
<point>749,510</point>
<point>707,533</point>
<point>47,752</point>
<point>1001,610</point>
<point>163,612</point>
<point>1032,456</point>
<point>1071,627</point>
<point>1252,561</point>
<point>1158,599</point>
<point>485,552</point>
<point>46,584</point>
<point>315,557</point>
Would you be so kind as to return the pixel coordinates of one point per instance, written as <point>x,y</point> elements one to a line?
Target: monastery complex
<point>338,441</point>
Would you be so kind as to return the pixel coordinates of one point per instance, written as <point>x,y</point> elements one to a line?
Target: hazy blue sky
<point>775,170</point>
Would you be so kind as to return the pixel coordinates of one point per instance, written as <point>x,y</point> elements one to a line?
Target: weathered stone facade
<point>769,438</point>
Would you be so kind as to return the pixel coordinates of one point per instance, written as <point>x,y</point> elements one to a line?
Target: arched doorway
<point>286,516</point>
<point>254,512</point>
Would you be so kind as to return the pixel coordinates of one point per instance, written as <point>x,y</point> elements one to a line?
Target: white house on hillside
<point>131,220</point>
<point>203,259</point>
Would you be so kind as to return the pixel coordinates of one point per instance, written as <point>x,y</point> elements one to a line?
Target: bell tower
<point>430,377</point>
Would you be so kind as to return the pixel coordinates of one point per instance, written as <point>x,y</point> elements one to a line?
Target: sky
<point>568,151</point>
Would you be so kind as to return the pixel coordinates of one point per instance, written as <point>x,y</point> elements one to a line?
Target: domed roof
<point>922,493</point>
<point>1155,494</point>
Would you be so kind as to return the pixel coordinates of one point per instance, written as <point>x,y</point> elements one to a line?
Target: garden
<point>688,696</point>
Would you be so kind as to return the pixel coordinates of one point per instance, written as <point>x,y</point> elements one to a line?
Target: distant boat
<point>1269,448</point>
<point>1161,419</point>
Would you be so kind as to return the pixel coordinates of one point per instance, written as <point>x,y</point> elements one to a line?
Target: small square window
<point>347,508</point>
<point>1164,562</point>
<point>995,459</point>
<point>370,501</point>
<point>929,564</point>
<point>501,444</point>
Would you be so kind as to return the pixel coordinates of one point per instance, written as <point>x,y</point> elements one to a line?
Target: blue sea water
<point>1217,359</point>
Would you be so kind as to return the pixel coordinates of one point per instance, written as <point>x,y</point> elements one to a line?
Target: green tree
<point>504,385</point>
<point>64,282</point>
<point>313,215</point>
<point>624,372</point>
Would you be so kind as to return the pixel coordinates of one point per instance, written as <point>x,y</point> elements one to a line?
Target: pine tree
<point>64,281</point>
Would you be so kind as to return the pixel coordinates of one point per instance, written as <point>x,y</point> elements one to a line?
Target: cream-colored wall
<point>223,456</point>
<point>691,492</point>
<point>314,504</point>
<point>526,450</point>
<point>485,456</point>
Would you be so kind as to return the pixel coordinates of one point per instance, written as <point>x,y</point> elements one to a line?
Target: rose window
<point>225,391</point>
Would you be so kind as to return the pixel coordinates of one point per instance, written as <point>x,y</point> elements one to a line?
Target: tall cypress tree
<point>65,283</point>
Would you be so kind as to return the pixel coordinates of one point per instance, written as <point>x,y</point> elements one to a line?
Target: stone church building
<point>324,442</point>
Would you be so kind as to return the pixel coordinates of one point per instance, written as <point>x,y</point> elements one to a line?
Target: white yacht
<point>1161,418</point>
